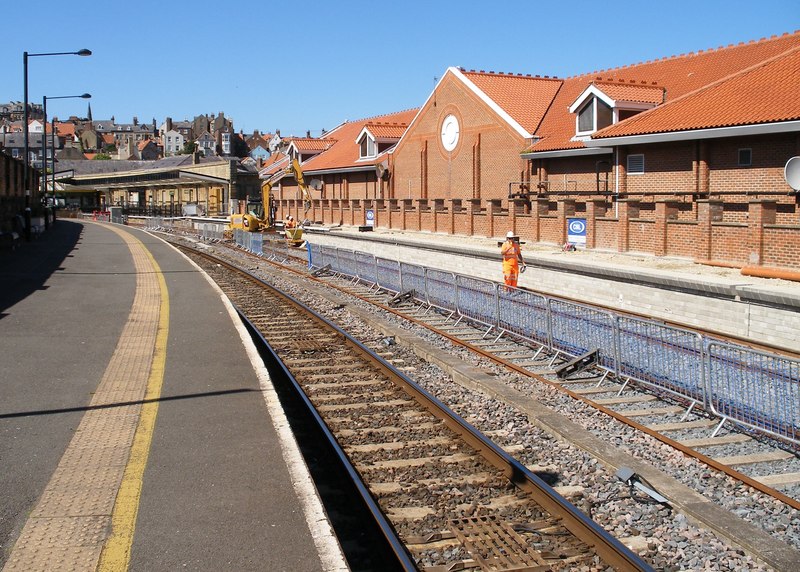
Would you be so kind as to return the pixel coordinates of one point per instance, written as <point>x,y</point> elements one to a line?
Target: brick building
<point>679,156</point>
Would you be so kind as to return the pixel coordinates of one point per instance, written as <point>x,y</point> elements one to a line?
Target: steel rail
<point>608,548</point>
<point>728,470</point>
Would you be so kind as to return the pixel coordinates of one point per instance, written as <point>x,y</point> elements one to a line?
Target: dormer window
<point>605,103</point>
<point>367,147</point>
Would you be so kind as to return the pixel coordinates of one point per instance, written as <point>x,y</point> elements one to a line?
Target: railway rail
<point>411,452</point>
<point>470,344</point>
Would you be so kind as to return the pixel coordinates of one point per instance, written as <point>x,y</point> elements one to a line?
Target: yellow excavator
<point>262,216</point>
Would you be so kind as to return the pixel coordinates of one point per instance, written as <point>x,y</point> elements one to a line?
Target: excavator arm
<point>295,169</point>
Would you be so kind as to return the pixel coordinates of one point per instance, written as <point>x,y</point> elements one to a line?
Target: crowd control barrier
<point>734,382</point>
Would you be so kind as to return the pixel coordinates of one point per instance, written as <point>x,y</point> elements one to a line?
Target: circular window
<point>450,132</point>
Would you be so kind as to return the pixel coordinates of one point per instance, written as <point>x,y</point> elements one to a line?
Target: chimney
<point>308,134</point>
<point>169,123</point>
<point>135,120</point>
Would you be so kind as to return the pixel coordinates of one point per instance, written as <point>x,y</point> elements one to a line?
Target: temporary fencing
<point>756,389</point>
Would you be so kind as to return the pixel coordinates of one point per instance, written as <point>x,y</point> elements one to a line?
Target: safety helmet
<point>510,234</point>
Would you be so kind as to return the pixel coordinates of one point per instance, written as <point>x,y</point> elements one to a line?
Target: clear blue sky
<point>269,66</point>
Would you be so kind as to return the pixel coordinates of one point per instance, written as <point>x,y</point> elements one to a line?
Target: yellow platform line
<point>93,495</point>
<point>117,550</point>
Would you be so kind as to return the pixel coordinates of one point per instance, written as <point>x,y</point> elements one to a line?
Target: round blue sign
<point>577,226</point>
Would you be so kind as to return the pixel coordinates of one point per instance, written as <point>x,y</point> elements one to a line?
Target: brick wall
<point>422,167</point>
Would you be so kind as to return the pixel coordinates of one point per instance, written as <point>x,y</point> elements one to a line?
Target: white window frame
<point>638,156</point>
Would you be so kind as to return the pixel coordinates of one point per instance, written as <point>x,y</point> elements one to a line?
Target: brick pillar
<point>422,205</point>
<point>595,208</point>
<point>493,208</point>
<point>666,210</point>
<point>377,207</point>
<point>541,207</point>
<point>451,224</point>
<point>708,212</point>
<point>628,209</point>
<point>759,213</point>
<point>566,209</point>
<point>473,211</point>
<point>355,207</point>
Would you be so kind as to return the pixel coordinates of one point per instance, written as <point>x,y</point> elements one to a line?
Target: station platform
<point>137,430</point>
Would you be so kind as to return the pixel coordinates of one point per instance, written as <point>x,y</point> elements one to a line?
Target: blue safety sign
<point>370,217</point>
<point>576,231</point>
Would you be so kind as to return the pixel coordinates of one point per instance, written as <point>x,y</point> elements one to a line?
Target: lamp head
<point>83,52</point>
<point>86,96</point>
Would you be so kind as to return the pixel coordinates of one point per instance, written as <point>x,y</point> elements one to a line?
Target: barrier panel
<point>476,299</point>
<point>662,356</point>
<point>367,268</point>
<point>347,263</point>
<point>440,289</point>
<point>755,388</point>
<point>576,329</point>
<point>388,274</point>
<point>413,278</point>
<point>525,314</point>
<point>101,216</point>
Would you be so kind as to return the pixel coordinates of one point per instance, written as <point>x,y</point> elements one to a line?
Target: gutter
<point>694,134</point>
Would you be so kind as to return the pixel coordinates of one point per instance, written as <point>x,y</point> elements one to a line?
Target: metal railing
<point>755,389</point>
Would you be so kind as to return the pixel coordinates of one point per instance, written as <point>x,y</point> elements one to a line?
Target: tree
<point>102,157</point>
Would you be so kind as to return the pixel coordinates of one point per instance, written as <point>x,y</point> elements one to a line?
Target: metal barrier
<point>754,388</point>
<point>576,329</point>
<point>476,299</point>
<point>664,357</point>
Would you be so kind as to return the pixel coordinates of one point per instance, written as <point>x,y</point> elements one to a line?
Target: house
<point>206,144</point>
<point>343,168</point>
<point>173,142</point>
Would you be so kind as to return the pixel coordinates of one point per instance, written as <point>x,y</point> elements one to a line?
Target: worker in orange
<point>512,258</point>
<point>290,222</point>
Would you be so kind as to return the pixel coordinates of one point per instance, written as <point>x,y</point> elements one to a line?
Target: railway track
<point>453,497</point>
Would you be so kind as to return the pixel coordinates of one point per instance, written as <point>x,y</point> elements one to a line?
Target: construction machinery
<point>260,217</point>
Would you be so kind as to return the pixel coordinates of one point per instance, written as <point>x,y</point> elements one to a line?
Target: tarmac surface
<point>84,338</point>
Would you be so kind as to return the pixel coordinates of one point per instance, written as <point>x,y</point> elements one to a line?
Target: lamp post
<point>172,203</point>
<point>44,148</point>
<point>26,158</point>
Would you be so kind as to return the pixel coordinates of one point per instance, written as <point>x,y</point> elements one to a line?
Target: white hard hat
<point>510,234</point>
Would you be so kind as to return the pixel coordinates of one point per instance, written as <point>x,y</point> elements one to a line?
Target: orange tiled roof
<point>345,152</point>
<point>765,93</point>
<point>386,130</point>
<point>678,75</point>
<point>272,164</point>
<point>311,144</point>
<point>108,138</point>
<point>65,129</point>
<point>631,91</point>
<point>525,98</point>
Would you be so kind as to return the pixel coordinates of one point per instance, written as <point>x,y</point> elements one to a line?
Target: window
<point>605,116</point>
<point>586,118</point>
<point>636,164</point>
<point>367,147</point>
<point>745,157</point>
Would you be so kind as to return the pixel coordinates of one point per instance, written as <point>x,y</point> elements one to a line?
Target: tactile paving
<point>71,522</point>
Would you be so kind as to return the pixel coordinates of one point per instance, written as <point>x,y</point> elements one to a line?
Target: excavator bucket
<point>294,236</point>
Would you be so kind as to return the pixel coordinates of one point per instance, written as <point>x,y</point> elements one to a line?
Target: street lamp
<point>44,149</point>
<point>26,159</point>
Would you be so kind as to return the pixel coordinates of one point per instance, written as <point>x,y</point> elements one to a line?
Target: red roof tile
<point>765,93</point>
<point>525,98</point>
<point>386,130</point>
<point>311,144</point>
<point>678,75</point>
<point>344,153</point>
<point>631,91</point>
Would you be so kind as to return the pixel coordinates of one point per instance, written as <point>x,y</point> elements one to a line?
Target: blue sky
<point>270,66</point>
